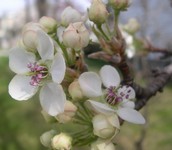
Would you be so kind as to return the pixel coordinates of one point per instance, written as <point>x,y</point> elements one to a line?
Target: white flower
<point>117,97</point>
<point>102,145</point>
<point>70,15</point>
<point>105,126</point>
<point>76,36</point>
<point>32,73</point>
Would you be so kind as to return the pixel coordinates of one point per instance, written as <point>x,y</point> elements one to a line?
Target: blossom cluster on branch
<point>49,59</point>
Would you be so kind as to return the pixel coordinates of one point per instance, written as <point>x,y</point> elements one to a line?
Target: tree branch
<point>143,95</point>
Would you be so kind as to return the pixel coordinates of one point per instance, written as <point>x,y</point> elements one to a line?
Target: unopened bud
<point>48,24</point>
<point>70,15</point>
<point>132,26</point>
<point>98,12</point>
<point>31,26</point>
<point>105,126</point>
<point>61,142</point>
<point>46,137</point>
<point>102,145</point>
<point>75,91</point>
<point>76,36</point>
<point>120,4</point>
<point>69,112</point>
<point>30,40</point>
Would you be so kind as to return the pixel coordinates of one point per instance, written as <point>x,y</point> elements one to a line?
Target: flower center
<point>116,95</point>
<point>38,72</point>
<point>112,97</point>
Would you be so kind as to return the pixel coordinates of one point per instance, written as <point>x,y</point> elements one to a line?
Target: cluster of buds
<point>51,139</point>
<point>70,95</point>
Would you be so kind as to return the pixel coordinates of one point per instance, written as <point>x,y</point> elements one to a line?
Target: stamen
<point>112,97</point>
<point>38,73</point>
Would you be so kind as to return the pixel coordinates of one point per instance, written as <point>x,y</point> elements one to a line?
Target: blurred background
<point>21,123</point>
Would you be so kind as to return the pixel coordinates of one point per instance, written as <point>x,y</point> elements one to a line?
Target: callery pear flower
<point>69,112</point>
<point>70,15</point>
<point>102,145</point>
<point>117,98</point>
<point>31,73</point>
<point>98,12</point>
<point>61,142</point>
<point>105,126</point>
<point>48,23</point>
<point>76,36</point>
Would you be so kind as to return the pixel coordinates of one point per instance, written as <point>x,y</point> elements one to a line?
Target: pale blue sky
<point>10,6</point>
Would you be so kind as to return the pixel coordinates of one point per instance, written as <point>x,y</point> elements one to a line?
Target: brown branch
<point>150,48</point>
<point>143,95</point>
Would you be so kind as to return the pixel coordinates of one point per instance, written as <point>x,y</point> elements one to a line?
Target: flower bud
<point>30,40</point>
<point>98,12</point>
<point>120,4</point>
<point>102,145</point>
<point>46,137</point>
<point>32,26</point>
<point>61,142</point>
<point>76,36</point>
<point>105,126</point>
<point>70,15</point>
<point>75,91</point>
<point>48,24</point>
<point>69,112</point>
<point>29,36</point>
<point>132,26</point>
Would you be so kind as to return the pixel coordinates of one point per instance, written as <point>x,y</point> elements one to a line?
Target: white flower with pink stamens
<point>48,72</point>
<point>117,98</point>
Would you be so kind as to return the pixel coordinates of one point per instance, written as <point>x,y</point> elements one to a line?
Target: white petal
<point>127,90</point>
<point>52,98</point>
<point>130,115</point>
<point>20,89</point>
<point>90,84</point>
<point>19,59</point>
<point>99,107</point>
<point>109,76</point>
<point>58,68</point>
<point>127,103</point>
<point>45,46</point>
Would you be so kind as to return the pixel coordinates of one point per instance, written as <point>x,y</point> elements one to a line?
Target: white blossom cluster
<point>49,59</point>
